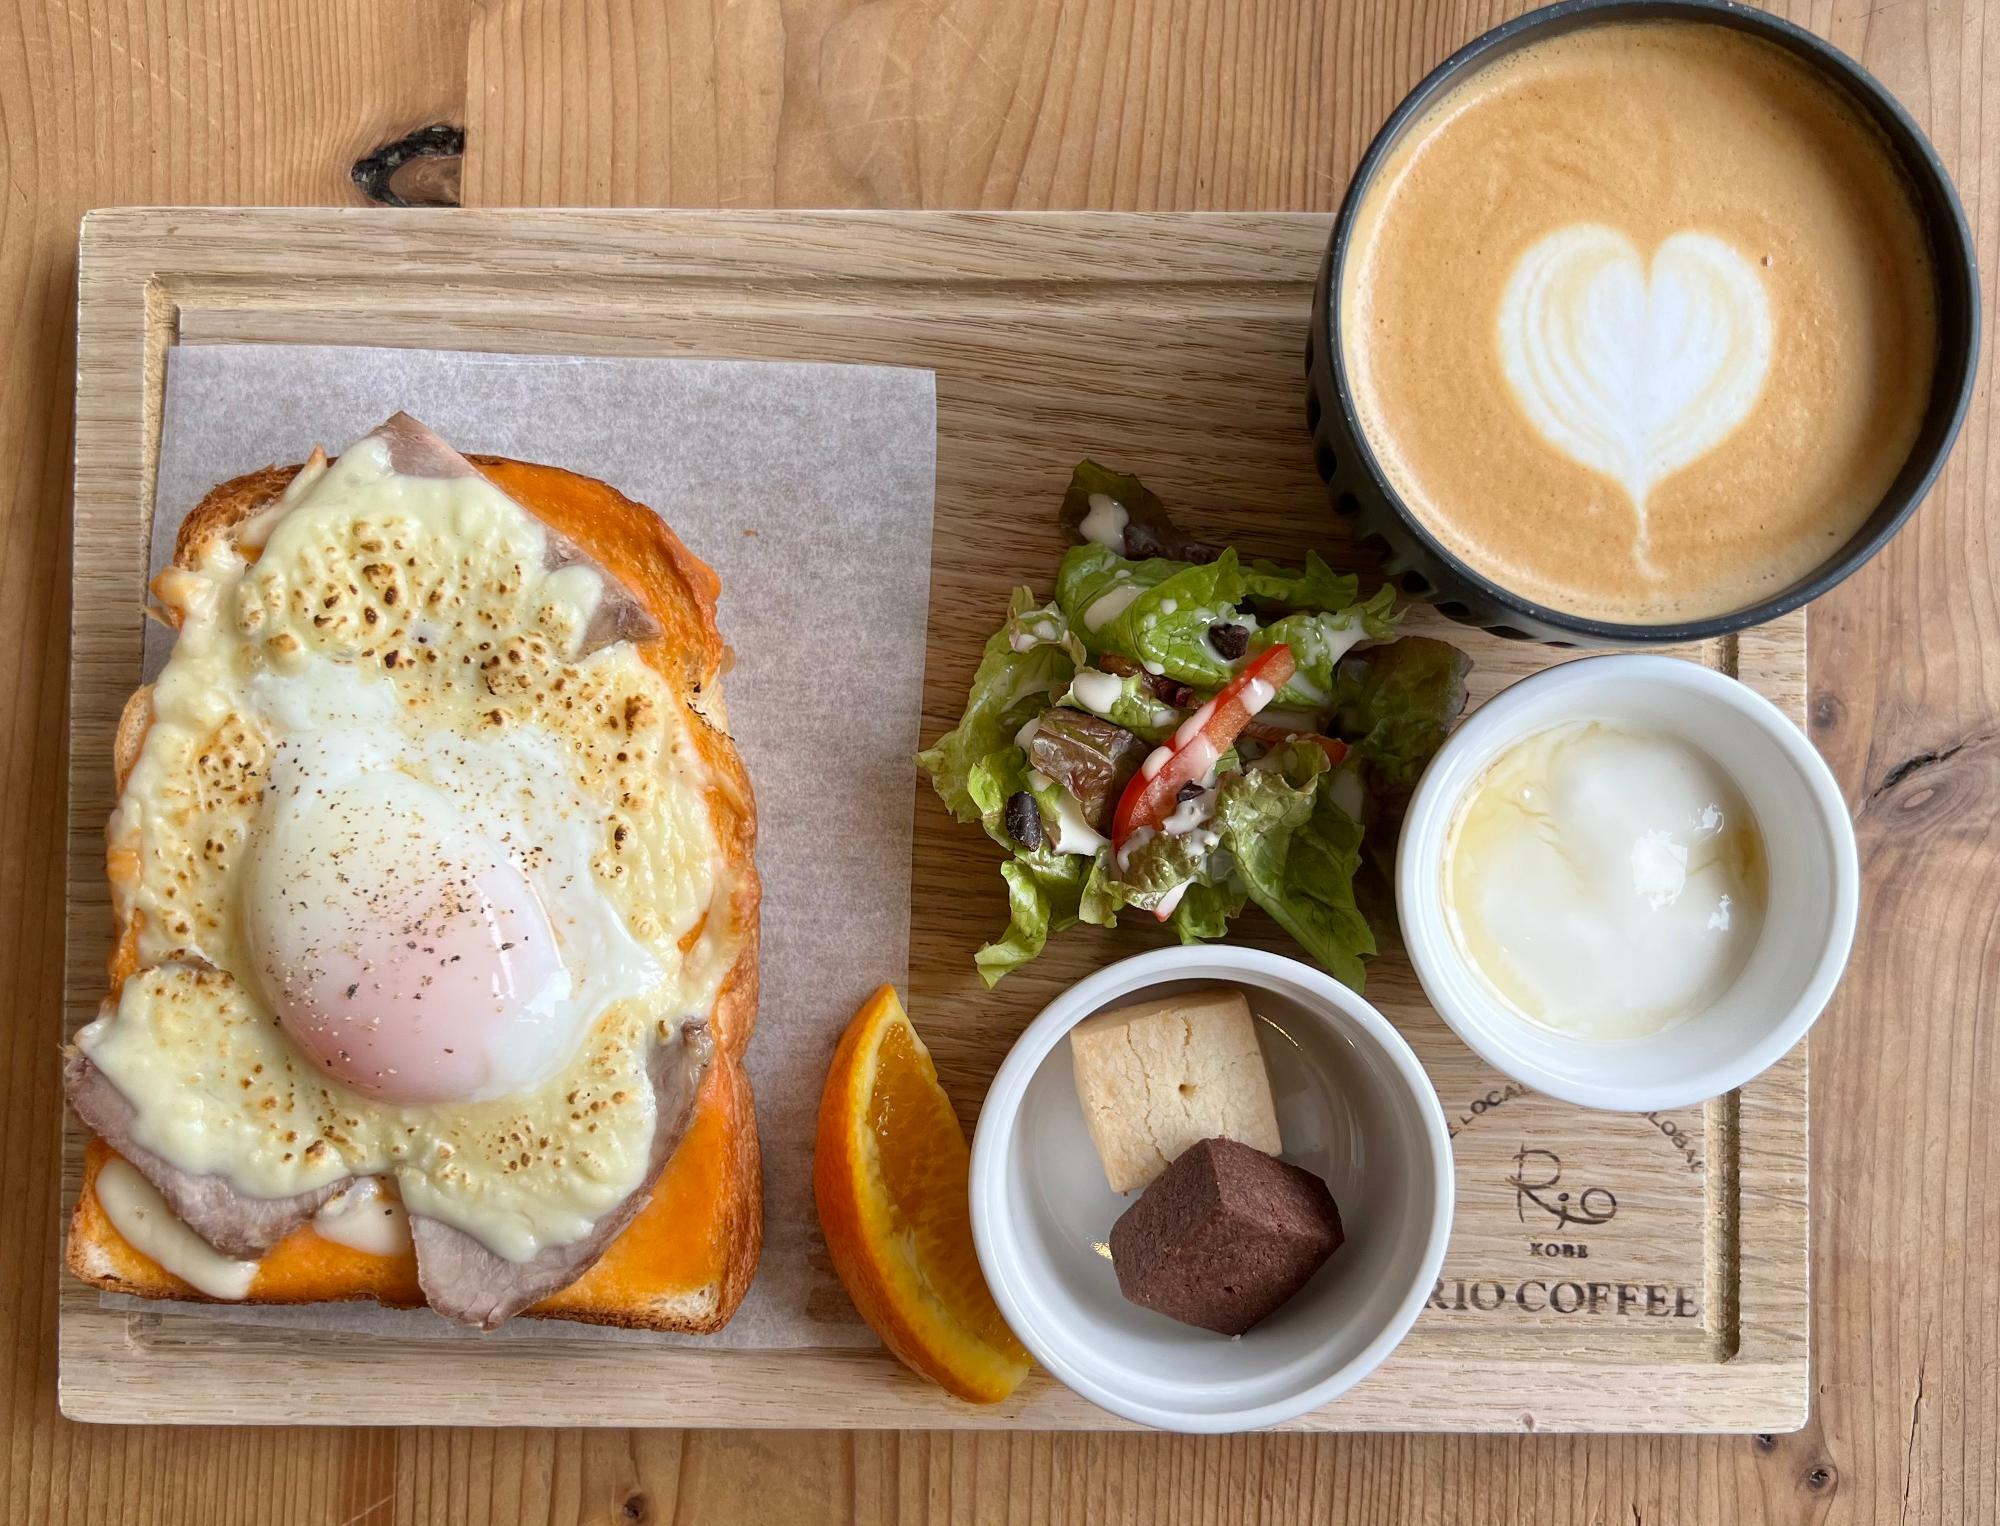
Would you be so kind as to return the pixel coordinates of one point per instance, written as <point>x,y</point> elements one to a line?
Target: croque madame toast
<point>679,1257</point>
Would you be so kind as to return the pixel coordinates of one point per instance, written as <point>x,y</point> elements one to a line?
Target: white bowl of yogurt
<point>1629,882</point>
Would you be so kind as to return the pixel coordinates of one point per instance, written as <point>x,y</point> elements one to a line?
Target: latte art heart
<point>1630,374</point>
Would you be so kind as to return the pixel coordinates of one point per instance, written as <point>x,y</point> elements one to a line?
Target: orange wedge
<point>889,1174</point>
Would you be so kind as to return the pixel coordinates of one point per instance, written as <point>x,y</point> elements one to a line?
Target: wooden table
<point>1012,103</point>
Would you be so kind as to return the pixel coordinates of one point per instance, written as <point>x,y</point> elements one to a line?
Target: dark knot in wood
<point>421,170</point>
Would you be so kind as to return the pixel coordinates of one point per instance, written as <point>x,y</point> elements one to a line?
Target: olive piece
<point>1230,641</point>
<point>1024,819</point>
<point>1190,789</point>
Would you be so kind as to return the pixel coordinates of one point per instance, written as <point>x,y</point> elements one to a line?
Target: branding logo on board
<point>1536,1179</point>
<point>1560,1206</point>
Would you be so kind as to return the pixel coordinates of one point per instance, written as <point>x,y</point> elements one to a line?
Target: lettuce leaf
<point>1166,628</point>
<point>1288,832</point>
<point>1296,853</point>
<point>1161,617</point>
<point>1149,531</point>
<point>1136,708</point>
<point>1089,572</point>
<point>1025,663</point>
<point>1205,910</point>
<point>1164,619</point>
<point>1098,905</point>
<point>990,783</point>
<point>1315,586</point>
<point>1395,703</point>
<point>1043,886</point>
<point>1319,639</point>
<point>1155,865</point>
<point>1041,899</point>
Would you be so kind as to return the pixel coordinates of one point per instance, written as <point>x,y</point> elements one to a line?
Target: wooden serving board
<point>1607,1272</point>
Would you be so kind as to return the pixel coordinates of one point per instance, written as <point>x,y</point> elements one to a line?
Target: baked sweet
<point>474,701</point>
<point>1225,1237</point>
<point>1156,1075</point>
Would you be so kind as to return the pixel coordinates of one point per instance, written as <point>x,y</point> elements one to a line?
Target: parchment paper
<point>809,489</point>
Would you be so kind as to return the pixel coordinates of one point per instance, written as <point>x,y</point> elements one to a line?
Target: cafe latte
<point>1640,321</point>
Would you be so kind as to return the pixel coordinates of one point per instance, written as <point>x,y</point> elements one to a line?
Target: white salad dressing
<point>1191,727</point>
<point>1132,845</point>
<point>1320,643</point>
<point>1095,690</point>
<point>1190,819</point>
<point>141,1215</point>
<point>1043,630</point>
<point>1104,524</point>
<point>1073,833</point>
<point>1605,883</point>
<point>1309,691</point>
<point>1110,604</point>
<point>1189,814</point>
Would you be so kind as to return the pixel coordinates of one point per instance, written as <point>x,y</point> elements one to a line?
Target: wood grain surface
<point>1233,103</point>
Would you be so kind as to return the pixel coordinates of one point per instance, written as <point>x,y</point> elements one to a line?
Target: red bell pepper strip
<point>1203,737</point>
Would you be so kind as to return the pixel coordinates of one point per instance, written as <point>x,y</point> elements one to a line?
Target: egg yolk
<point>403,951</point>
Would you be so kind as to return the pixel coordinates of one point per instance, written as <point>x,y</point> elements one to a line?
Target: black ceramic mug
<point>1426,569</point>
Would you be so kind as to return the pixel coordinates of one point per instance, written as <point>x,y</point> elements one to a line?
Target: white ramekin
<point>1354,1107</point>
<point>1814,886</point>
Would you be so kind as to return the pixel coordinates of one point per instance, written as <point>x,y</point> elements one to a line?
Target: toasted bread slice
<point>686,1260</point>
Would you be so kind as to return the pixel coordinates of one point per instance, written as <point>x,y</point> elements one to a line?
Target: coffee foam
<point>1631,375</point>
<point>1640,321</point>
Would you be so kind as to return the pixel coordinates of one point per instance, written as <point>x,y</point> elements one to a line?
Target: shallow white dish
<point>1813,886</point>
<point>1354,1107</point>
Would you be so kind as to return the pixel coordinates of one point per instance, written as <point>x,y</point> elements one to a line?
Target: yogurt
<point>1604,882</point>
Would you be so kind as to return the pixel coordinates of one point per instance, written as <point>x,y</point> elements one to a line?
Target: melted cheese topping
<point>141,1215</point>
<point>412,617</point>
<point>366,1218</point>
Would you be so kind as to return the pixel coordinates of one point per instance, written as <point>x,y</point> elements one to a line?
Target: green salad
<point>1183,732</point>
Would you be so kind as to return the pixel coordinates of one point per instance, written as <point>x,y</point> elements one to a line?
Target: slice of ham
<point>233,1222</point>
<point>417,451</point>
<point>465,1281</point>
<point>461,1278</point>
